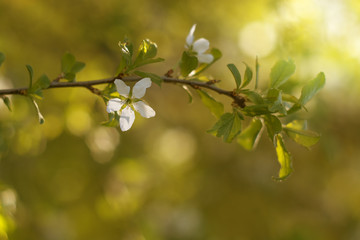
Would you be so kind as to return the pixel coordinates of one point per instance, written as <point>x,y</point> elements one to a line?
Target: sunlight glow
<point>257,39</point>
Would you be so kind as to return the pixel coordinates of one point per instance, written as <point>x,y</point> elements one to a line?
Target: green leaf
<point>289,98</point>
<point>35,93</point>
<point>296,130</point>
<point>67,62</point>
<point>122,66</point>
<point>311,88</point>
<point>70,76</point>
<point>275,98</point>
<point>2,58</point>
<point>31,74</point>
<point>203,66</point>
<point>248,137</point>
<point>40,116</point>
<point>77,67</point>
<point>281,72</point>
<point>7,102</point>
<point>236,74</point>
<point>154,78</point>
<point>256,110</point>
<point>113,120</point>
<point>273,126</point>
<point>217,108</point>
<point>126,52</point>
<point>298,124</point>
<point>43,82</point>
<point>284,158</point>
<point>254,97</point>
<point>147,51</point>
<point>228,126</point>
<point>187,64</point>
<point>107,91</point>
<point>36,90</point>
<point>308,92</point>
<point>247,76</point>
<point>147,61</point>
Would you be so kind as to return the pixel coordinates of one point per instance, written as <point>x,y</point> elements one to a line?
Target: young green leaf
<point>308,92</point>
<point>216,54</point>
<point>203,66</point>
<point>284,158</point>
<point>298,124</point>
<point>249,137</point>
<point>247,76</point>
<point>36,89</point>
<point>77,67</point>
<point>228,126</point>
<point>43,82</point>
<point>113,120</point>
<point>147,51</point>
<point>273,126</point>
<point>154,78</point>
<point>31,74</point>
<point>146,61</point>
<point>7,102</point>
<point>254,97</point>
<point>289,98</point>
<point>296,130</point>
<point>67,62</point>
<point>70,76</point>
<point>236,74</point>
<point>217,108</point>
<point>274,97</point>
<point>256,110</point>
<point>303,137</point>
<point>126,52</point>
<point>2,58</point>
<point>311,88</point>
<point>281,72</point>
<point>187,64</point>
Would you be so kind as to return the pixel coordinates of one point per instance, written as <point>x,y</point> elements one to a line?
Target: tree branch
<point>239,100</point>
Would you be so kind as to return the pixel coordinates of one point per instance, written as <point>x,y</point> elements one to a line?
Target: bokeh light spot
<point>176,146</point>
<point>257,39</point>
<point>78,120</point>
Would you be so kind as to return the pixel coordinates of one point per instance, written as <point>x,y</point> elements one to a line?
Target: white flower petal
<point>140,88</point>
<point>145,110</point>
<point>127,118</point>
<point>114,105</point>
<point>122,88</point>
<point>201,45</point>
<point>190,36</point>
<point>205,58</point>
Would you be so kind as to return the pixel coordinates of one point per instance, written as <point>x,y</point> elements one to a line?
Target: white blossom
<point>200,46</point>
<point>129,102</point>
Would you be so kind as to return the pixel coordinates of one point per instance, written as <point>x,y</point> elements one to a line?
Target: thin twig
<point>239,100</point>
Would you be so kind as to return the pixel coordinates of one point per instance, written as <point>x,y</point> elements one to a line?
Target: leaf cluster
<point>146,55</point>
<point>266,109</point>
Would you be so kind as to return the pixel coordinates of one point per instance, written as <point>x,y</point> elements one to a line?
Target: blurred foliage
<point>72,178</point>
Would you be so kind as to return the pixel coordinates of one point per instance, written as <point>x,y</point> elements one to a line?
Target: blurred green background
<point>72,178</point>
